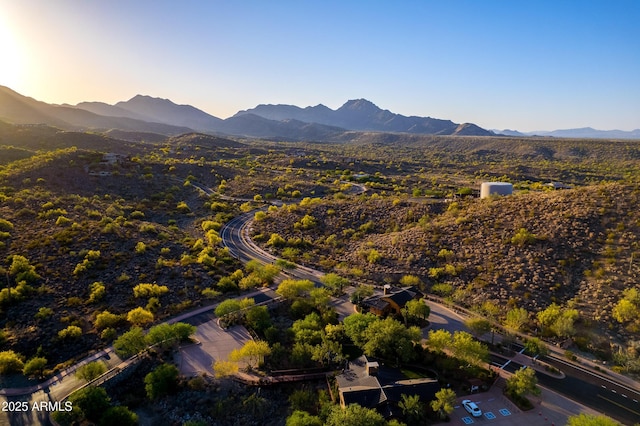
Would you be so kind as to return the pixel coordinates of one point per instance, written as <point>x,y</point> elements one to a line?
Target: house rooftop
<point>355,385</point>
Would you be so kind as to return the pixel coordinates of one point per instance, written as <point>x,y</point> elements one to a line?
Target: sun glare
<point>11,57</point>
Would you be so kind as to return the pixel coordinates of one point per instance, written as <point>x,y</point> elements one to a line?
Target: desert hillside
<point>570,247</point>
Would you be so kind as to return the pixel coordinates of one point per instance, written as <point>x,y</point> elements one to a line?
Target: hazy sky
<point>526,65</point>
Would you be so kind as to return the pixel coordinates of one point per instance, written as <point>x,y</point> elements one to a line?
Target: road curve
<point>614,399</point>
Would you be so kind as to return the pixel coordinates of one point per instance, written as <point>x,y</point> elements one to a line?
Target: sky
<point>525,65</point>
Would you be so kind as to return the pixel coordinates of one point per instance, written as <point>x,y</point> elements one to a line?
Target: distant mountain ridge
<point>20,109</point>
<point>363,115</point>
<point>582,132</point>
<point>143,116</point>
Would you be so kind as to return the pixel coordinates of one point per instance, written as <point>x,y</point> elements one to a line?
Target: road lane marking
<point>619,405</point>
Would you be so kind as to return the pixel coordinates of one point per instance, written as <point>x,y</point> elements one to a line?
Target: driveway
<point>215,344</point>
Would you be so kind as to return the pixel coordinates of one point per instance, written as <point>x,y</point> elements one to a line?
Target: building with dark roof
<point>392,301</point>
<point>372,385</point>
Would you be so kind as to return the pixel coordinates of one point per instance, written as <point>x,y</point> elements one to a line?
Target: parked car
<point>472,408</point>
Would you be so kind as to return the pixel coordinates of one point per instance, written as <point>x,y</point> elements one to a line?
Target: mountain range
<point>583,132</point>
<point>145,114</point>
<point>285,122</point>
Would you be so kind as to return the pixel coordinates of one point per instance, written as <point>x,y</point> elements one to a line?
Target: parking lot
<point>496,409</point>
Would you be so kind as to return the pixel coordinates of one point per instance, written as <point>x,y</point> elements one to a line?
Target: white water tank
<point>488,189</point>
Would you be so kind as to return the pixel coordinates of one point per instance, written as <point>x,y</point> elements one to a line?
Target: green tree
<point>444,403</point>
<point>167,335</point>
<point>390,339</point>
<point>548,316</point>
<point>91,370</point>
<point>334,282</point>
<point>258,318</point>
<point>162,381</point>
<point>253,352</point>
<point>309,329</point>
<point>412,409</point>
<point>625,311</point>
<point>224,368</point>
<point>92,401</point>
<point>303,400</point>
<point>361,293</point>
<point>354,415</point>
<point>327,352</point>
<point>564,325</point>
<point>320,298</point>
<point>523,382</point>
<point>35,367</point>
<point>628,307</point>
<point>355,326</point>
<point>302,418</point>
<point>536,346</point>
<point>466,348</point>
<point>118,415</point>
<point>478,326</point>
<point>227,307</point>
<point>293,289</point>
<point>439,340</point>
<point>516,319</point>
<point>417,309</point>
<point>130,343</point>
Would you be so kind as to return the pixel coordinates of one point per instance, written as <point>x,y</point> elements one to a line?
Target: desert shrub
<point>149,290</point>
<point>523,237</point>
<point>69,333</point>
<point>43,313</point>
<point>106,319</point>
<point>139,317</point>
<point>209,293</point>
<point>10,362</point>
<point>5,225</point>
<point>97,292</point>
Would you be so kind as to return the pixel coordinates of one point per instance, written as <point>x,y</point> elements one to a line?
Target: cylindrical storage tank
<point>488,189</point>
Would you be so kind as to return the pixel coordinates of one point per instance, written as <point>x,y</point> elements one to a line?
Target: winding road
<point>590,388</point>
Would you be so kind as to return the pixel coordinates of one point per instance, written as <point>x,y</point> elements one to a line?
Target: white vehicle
<point>471,408</point>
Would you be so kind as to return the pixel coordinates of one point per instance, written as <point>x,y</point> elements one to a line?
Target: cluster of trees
<point>383,338</point>
<point>460,344</point>
<point>162,336</point>
<point>92,404</point>
<point>255,275</point>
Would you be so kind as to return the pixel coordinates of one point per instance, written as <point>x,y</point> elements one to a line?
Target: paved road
<point>585,387</point>
<point>441,317</point>
<point>598,392</point>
